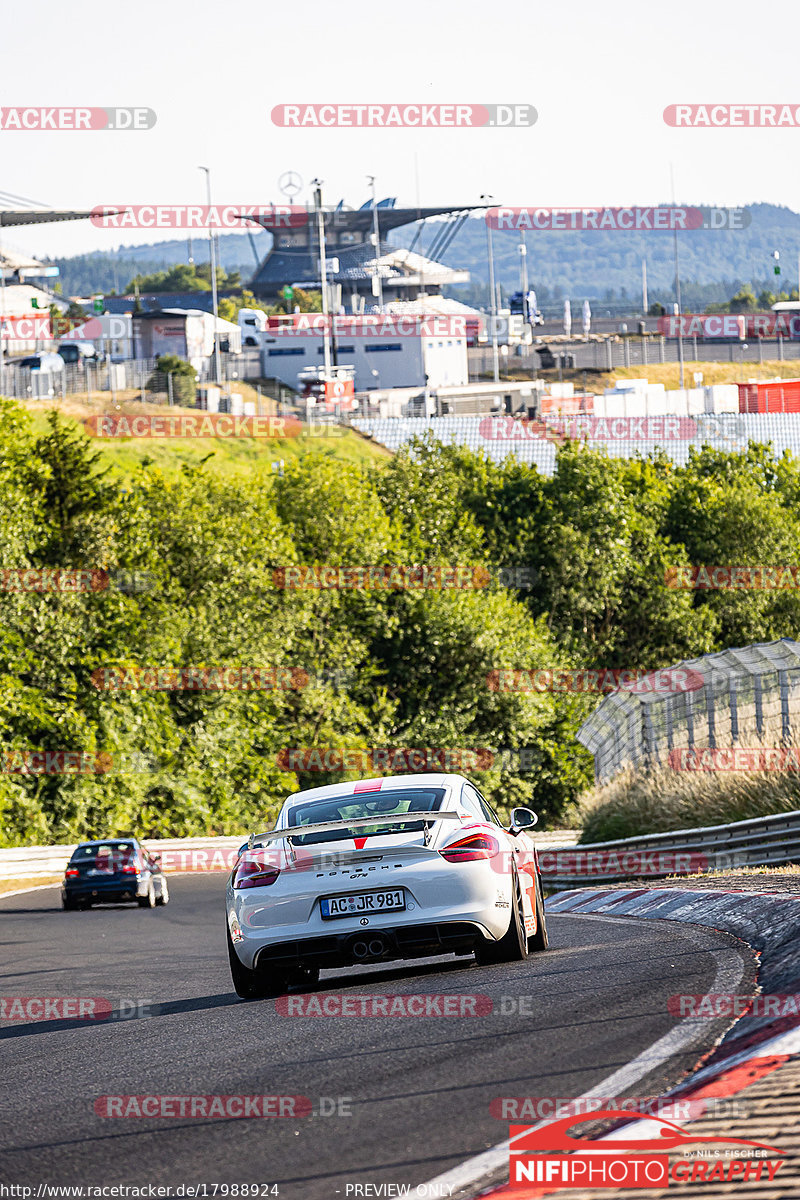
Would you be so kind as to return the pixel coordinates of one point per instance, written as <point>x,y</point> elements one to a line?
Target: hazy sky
<point>600,76</point>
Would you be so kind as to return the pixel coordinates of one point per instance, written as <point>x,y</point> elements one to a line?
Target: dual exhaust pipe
<point>364,950</point>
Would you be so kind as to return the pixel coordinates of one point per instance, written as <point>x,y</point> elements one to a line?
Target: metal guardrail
<point>177,854</point>
<point>761,841</point>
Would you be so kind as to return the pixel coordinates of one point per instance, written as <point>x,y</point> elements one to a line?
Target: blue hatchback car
<point>111,871</point>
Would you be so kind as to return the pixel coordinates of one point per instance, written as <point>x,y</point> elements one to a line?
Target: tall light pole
<point>492,295</point>
<point>217,372</point>
<point>323,270</point>
<point>376,237</point>
<point>2,315</point>
<point>523,266</point>
<point>678,312</point>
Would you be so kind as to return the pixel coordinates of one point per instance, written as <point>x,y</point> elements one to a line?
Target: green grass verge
<point>227,457</point>
<point>636,803</point>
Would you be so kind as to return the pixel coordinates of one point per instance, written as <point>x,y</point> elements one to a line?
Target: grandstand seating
<point>724,431</point>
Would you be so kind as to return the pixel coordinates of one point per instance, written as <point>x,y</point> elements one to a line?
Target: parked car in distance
<point>252,322</point>
<point>78,352</point>
<point>44,362</point>
<point>113,870</point>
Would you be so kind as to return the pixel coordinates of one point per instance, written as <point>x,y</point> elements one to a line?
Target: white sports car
<point>408,866</point>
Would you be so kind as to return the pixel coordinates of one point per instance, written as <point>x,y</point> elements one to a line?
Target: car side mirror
<point>522,818</point>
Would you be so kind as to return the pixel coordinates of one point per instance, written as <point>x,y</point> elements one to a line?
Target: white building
<point>387,350</point>
<point>24,307</point>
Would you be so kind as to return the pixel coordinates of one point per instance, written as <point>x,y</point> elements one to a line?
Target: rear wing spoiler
<point>293,831</point>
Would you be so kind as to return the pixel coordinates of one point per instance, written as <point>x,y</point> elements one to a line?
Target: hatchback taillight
<point>71,873</point>
<point>129,868</point>
<point>254,872</point>
<point>474,846</point>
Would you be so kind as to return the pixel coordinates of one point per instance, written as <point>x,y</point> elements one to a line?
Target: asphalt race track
<point>419,1088</point>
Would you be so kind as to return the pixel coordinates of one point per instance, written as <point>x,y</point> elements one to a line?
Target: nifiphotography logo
<point>549,1155</point>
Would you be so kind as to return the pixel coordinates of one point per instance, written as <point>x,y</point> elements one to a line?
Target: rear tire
<point>249,984</point>
<point>68,905</point>
<point>163,895</point>
<point>539,941</point>
<point>148,901</point>
<point>513,945</point>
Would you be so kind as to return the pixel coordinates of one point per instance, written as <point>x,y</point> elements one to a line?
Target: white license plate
<point>362,902</point>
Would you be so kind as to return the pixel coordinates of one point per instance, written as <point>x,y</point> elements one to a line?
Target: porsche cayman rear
<point>369,872</point>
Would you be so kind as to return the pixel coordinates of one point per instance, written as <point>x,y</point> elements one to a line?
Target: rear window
<point>106,856</point>
<point>343,808</point>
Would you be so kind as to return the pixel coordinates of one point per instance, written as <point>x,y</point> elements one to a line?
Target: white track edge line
<point>678,1039</point>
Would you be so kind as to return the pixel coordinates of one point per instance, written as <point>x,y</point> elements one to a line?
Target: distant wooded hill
<point>604,265</point>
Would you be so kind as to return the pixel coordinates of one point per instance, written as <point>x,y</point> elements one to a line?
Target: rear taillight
<point>130,869</point>
<point>474,846</point>
<point>71,873</point>
<point>253,872</point>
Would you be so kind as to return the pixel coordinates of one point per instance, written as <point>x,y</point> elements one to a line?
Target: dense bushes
<point>400,668</point>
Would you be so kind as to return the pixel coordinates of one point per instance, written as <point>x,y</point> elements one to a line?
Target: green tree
<point>730,509</point>
<point>65,474</point>
<point>227,309</point>
<point>184,378</point>
<point>744,301</point>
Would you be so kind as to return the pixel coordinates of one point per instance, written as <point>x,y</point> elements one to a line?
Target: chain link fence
<point>735,697</point>
<point>608,354</point>
<point>139,375</point>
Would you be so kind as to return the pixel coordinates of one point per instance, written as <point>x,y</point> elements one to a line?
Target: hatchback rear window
<point>105,856</point>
